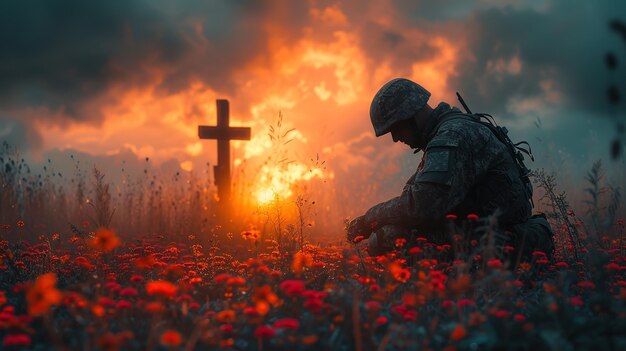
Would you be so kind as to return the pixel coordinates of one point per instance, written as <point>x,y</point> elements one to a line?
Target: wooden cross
<point>224,134</point>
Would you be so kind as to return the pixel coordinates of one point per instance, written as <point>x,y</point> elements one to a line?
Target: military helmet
<point>397,100</point>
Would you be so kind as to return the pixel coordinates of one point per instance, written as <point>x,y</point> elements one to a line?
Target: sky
<point>112,80</point>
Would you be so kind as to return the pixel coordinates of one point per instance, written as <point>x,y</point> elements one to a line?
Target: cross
<point>224,134</point>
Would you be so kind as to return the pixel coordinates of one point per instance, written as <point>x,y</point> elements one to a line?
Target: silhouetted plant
<point>613,93</point>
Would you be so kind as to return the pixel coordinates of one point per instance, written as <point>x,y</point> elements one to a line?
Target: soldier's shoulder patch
<point>442,142</point>
<point>437,161</point>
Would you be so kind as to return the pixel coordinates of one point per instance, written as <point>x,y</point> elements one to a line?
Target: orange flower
<point>171,338</point>
<point>43,294</point>
<point>226,316</point>
<point>301,260</point>
<point>264,298</point>
<point>458,332</point>
<point>400,274</point>
<point>154,307</point>
<point>161,287</point>
<point>105,240</point>
<point>145,262</point>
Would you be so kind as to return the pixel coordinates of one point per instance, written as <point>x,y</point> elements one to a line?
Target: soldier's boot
<point>384,238</point>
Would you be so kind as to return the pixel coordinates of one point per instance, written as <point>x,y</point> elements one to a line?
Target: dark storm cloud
<point>564,43</point>
<point>61,54</point>
<point>382,43</point>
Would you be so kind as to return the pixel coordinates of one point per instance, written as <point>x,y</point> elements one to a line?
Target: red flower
<point>465,302</point>
<point>519,317</point>
<point>128,292</point>
<point>123,304</point>
<point>161,287</point>
<point>586,284</point>
<point>287,323</point>
<point>400,242</point>
<point>171,338</point>
<point>83,262</point>
<point>136,278</point>
<point>221,278</point>
<point>264,332</point>
<point>113,286</point>
<point>372,305</point>
<point>502,314</point>
<point>106,302</point>
<point>314,304</point>
<point>451,216</point>
<point>410,315</point>
<point>226,328</point>
<point>415,250</point>
<point>236,281</point>
<point>576,301</point>
<point>472,216</point>
<point>447,304</point>
<point>458,333</point>
<point>612,266</point>
<point>495,263</point>
<point>292,287</point>
<point>16,340</point>
<point>251,311</point>
<point>381,320</point>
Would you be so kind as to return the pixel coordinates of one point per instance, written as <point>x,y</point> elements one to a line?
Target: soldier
<point>465,170</point>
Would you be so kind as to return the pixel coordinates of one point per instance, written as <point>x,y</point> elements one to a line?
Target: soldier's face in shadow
<point>407,132</point>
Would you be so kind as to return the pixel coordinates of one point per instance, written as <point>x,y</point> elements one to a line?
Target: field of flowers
<point>104,291</point>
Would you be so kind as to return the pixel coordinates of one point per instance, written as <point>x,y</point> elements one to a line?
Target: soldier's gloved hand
<point>358,227</point>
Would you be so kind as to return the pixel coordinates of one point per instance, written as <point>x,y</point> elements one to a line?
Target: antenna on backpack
<point>463,103</point>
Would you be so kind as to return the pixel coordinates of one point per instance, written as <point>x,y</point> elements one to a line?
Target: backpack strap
<point>501,133</point>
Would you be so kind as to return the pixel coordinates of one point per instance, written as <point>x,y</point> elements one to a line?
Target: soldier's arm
<point>453,163</point>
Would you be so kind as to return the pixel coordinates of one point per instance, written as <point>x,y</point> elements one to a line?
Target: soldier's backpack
<point>515,149</point>
<point>536,233</point>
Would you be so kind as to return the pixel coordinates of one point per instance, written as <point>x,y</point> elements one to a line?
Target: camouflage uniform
<point>465,169</point>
